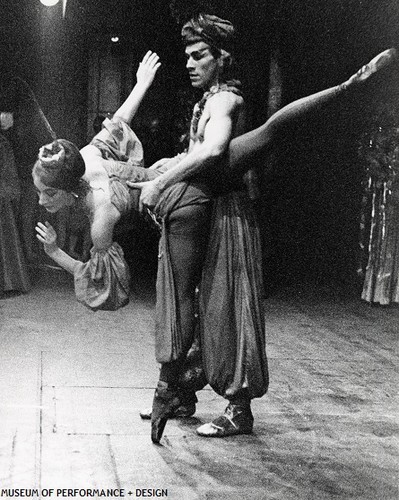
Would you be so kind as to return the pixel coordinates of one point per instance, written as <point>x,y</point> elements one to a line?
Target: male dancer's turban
<point>216,32</point>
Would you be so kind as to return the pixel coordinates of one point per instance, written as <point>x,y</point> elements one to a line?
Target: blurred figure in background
<point>379,150</point>
<point>13,270</point>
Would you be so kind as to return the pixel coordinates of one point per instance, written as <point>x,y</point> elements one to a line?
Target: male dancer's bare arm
<point>217,135</point>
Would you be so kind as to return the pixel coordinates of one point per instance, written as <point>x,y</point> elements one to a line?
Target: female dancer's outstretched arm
<point>145,76</point>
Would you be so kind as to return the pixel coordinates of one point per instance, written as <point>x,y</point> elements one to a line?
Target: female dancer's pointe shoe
<point>382,60</point>
<point>237,419</point>
<point>165,403</point>
<point>183,411</point>
<point>186,409</point>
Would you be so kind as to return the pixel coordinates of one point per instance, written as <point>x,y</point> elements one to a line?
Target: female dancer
<point>94,180</point>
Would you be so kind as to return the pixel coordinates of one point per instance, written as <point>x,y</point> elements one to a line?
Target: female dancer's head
<point>209,43</point>
<point>57,174</point>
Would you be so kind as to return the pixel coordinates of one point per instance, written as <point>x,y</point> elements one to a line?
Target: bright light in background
<point>49,3</point>
<point>114,39</point>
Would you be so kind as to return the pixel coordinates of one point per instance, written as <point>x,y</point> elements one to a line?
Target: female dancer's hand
<point>150,193</point>
<point>47,235</point>
<point>147,69</point>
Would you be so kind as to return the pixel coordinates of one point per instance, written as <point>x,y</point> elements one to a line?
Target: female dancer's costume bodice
<point>103,281</point>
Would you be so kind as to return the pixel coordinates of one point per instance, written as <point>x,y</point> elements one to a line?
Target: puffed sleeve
<point>102,283</point>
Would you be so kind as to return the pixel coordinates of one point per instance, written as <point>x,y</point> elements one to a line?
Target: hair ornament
<point>51,155</point>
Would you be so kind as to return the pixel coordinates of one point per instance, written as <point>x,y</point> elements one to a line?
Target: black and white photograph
<point>199,249</point>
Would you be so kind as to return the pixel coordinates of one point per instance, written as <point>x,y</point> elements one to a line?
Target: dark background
<point>309,206</point>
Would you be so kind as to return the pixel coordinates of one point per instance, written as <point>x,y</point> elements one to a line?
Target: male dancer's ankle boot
<point>236,419</point>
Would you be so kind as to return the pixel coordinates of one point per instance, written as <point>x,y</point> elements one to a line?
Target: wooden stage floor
<point>72,383</point>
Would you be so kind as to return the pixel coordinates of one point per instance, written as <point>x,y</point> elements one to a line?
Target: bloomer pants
<point>187,232</point>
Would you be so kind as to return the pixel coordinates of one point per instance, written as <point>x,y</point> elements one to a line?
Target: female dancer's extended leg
<point>187,232</point>
<point>257,144</point>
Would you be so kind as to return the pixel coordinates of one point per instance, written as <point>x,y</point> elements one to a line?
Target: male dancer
<point>232,327</point>
<point>217,118</point>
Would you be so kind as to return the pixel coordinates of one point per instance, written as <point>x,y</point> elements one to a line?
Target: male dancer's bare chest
<point>201,119</point>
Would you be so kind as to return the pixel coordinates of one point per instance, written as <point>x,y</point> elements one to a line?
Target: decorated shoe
<point>236,419</point>
<point>382,60</point>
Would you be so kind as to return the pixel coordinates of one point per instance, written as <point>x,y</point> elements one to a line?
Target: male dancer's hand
<point>150,193</point>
